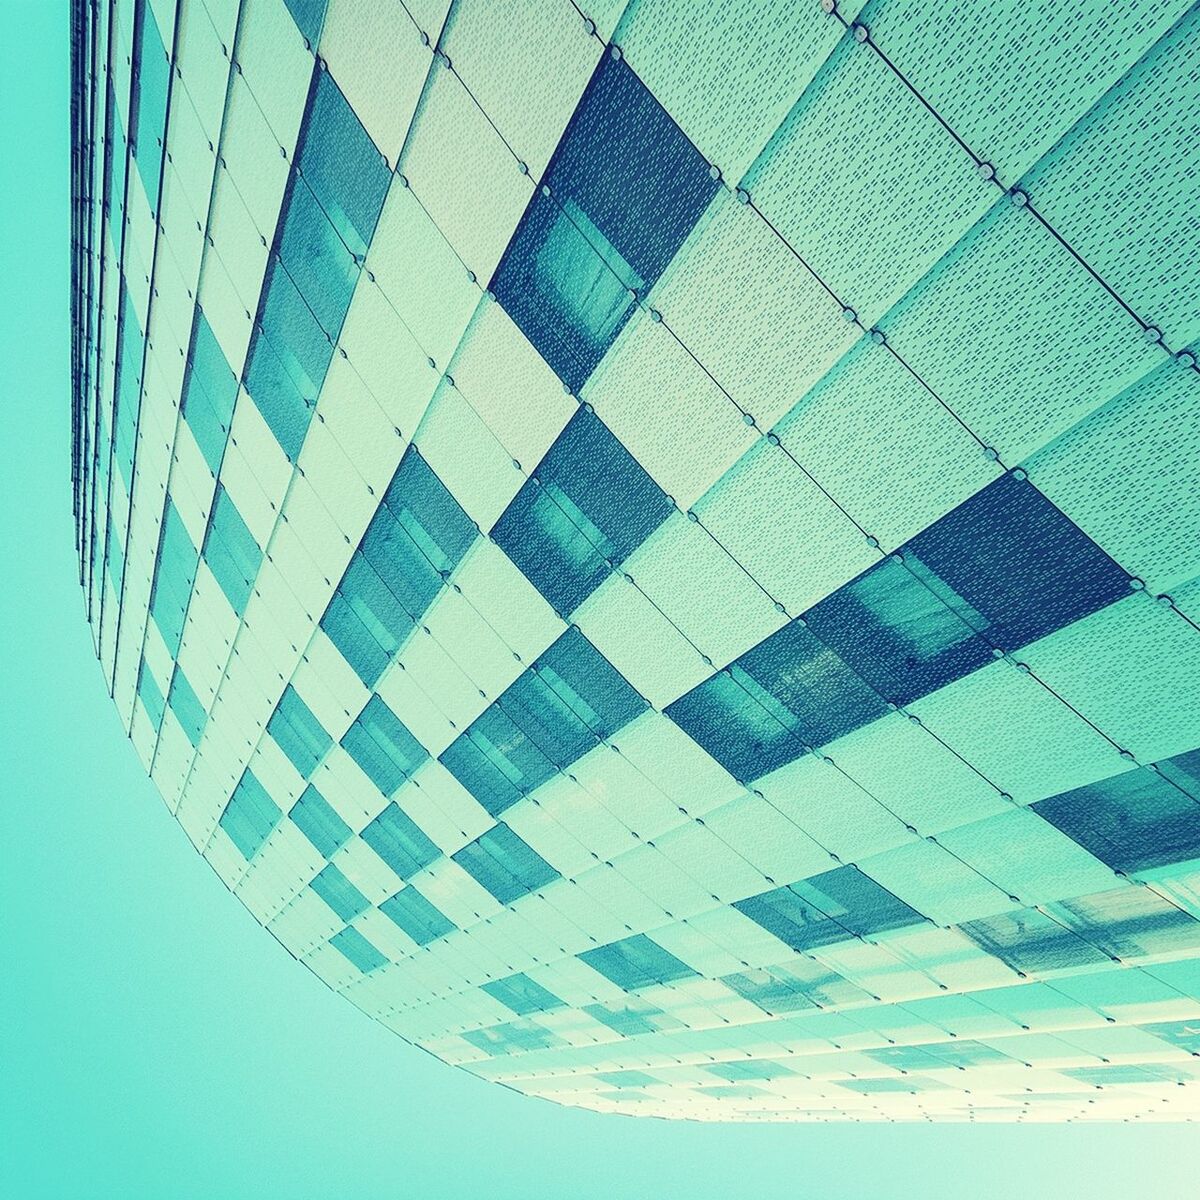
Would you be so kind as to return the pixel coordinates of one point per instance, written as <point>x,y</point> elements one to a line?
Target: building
<point>656,551</point>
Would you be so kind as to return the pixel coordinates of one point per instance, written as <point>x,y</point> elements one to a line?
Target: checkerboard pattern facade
<point>655,546</point>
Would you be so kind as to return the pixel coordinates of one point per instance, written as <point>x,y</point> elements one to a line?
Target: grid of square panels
<point>650,547</point>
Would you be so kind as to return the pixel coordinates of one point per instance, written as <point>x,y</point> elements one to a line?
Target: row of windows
<point>588,506</point>
<point>1001,570</point>
<point>209,393</point>
<point>1138,820</point>
<point>554,713</point>
<point>418,535</point>
<point>332,202</point>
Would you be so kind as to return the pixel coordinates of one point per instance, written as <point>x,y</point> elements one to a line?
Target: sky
<point>156,1042</point>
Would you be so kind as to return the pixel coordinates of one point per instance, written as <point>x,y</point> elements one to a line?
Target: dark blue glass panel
<point>313,815</point>
<point>114,180</point>
<point>569,298</point>
<point>1184,1034</point>
<point>628,1020</point>
<point>362,953</point>
<point>357,645</point>
<point>636,962</point>
<point>250,816</point>
<point>341,164</point>
<point>339,893</point>
<point>737,1072</point>
<point>522,994</point>
<point>323,270</point>
<point>503,864</point>
<point>209,393</point>
<point>186,706</point>
<point>309,16</point>
<point>496,762</point>
<point>512,1038</point>
<point>775,991</point>
<point>151,696</point>
<point>1131,922</point>
<point>298,732</point>
<point>1014,558</point>
<point>1133,822</point>
<point>286,410</point>
<point>379,742</point>
<point>294,333</point>
<point>903,629</point>
<point>428,513</point>
<point>231,552</point>
<point>174,575</point>
<point>625,188</point>
<point>128,388</point>
<point>552,715</point>
<point>588,684</point>
<point>788,692</point>
<point>589,505</point>
<point>416,916</point>
<point>831,907</point>
<point>408,580</point>
<point>400,842</point>
<point>626,163</point>
<point>150,111</point>
<point>1028,940</point>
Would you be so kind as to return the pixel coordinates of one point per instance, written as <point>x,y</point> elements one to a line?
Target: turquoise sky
<point>156,1042</point>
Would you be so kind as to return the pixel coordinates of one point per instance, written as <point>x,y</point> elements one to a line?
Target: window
<point>339,893</point>
<point>131,351</point>
<point>503,864</point>
<point>589,505</point>
<point>788,692</point>
<point>553,714</point>
<point>1184,1034</point>
<point>150,695</point>
<point>309,16</point>
<point>416,538</point>
<point>800,984</point>
<point>209,393</point>
<point>149,116</point>
<point>231,552</point>
<point>298,732</point>
<point>1135,821</point>
<point>340,163</point>
<point>513,1038</point>
<point>409,909</point>
<point>250,816</point>
<point>362,953</point>
<point>631,1017</point>
<point>738,1072</point>
<point>627,1079</point>
<point>636,962</point>
<point>174,575</point>
<point>831,907</point>
<point>1014,558</point>
<point>379,742</point>
<point>623,190</point>
<point>186,706</point>
<point>1130,922</point>
<point>323,271</point>
<point>1029,941</point>
<point>522,995</point>
<point>313,815</point>
<point>903,629</point>
<point>289,355</point>
<point>400,842</point>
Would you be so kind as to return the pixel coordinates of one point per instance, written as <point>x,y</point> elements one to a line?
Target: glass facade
<point>653,545</point>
